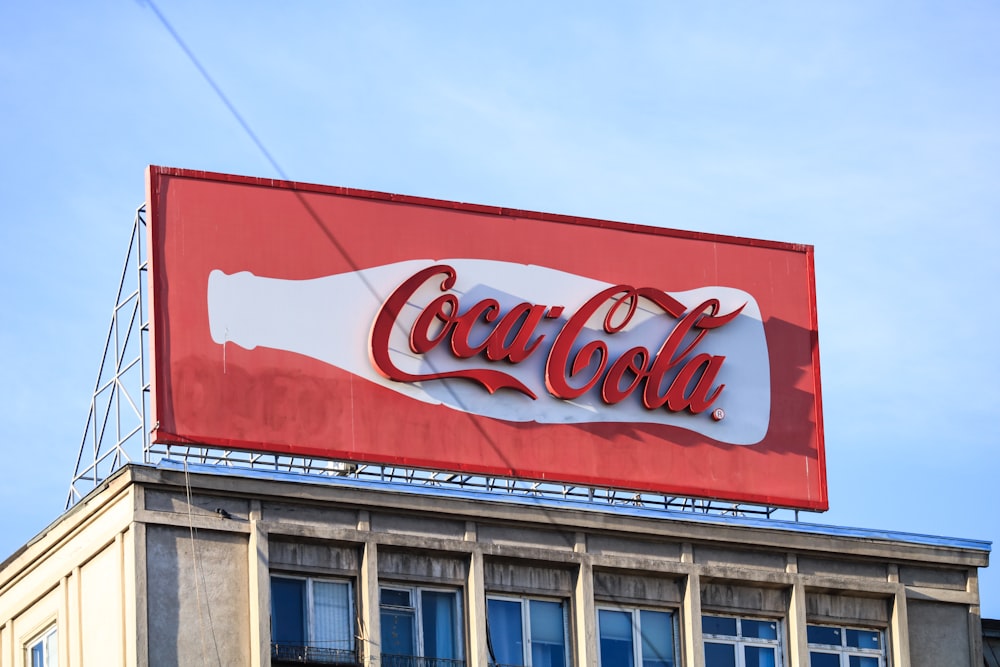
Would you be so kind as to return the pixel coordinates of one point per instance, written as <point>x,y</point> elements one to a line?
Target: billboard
<point>319,321</point>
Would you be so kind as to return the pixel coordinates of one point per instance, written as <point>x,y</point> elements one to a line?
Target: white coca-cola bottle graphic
<point>330,319</point>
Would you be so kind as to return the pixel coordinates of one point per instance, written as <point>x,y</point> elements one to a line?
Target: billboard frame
<point>158,175</point>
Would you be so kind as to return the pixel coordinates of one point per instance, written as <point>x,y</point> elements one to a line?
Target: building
<point>991,642</point>
<point>528,347</point>
<point>209,566</point>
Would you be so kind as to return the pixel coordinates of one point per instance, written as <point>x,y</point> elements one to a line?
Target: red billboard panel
<point>327,322</point>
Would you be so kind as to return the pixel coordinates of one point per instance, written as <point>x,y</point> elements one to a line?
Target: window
<point>312,620</point>
<point>731,641</point>
<point>421,627</point>
<point>832,646</point>
<point>44,651</point>
<point>526,633</point>
<point>631,637</point>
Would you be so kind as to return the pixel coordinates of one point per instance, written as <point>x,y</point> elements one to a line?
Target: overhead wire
<point>326,231</point>
<point>198,572</point>
<point>331,237</point>
<point>218,90</point>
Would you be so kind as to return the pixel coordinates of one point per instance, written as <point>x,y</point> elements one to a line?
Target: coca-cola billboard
<point>319,321</point>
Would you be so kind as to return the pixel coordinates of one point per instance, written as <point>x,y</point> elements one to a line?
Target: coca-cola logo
<point>676,376</point>
<point>519,343</point>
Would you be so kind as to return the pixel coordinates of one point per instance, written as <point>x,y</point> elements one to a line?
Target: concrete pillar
<point>6,645</point>
<point>693,655</point>
<point>798,639</point>
<point>62,621</point>
<point>259,572</point>
<point>140,639</point>
<point>975,618</point>
<point>123,598</point>
<point>371,634</point>
<point>129,598</point>
<point>74,622</point>
<point>475,596</point>
<point>898,630</point>
<point>585,615</point>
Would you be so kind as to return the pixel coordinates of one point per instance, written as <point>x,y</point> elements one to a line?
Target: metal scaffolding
<point>117,420</point>
<point>117,431</point>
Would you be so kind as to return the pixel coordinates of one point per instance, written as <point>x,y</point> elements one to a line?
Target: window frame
<point>740,641</point>
<point>48,640</point>
<point>845,652</point>
<point>636,624</point>
<point>416,606</point>
<point>525,604</point>
<point>311,641</point>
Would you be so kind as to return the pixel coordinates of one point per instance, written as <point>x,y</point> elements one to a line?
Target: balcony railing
<point>389,660</point>
<point>314,655</point>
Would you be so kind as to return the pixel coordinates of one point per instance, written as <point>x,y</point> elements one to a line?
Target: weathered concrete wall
<point>939,634</point>
<point>847,609</point>
<point>418,566</point>
<point>315,557</point>
<point>625,588</point>
<point>513,577</point>
<point>991,642</point>
<point>736,598</point>
<point>197,597</point>
<point>709,555</point>
<point>126,584</point>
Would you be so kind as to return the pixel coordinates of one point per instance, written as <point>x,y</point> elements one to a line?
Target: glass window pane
<point>823,634</point>
<point>615,624</point>
<point>547,621</point>
<point>396,598</point>
<point>503,619</point>
<point>759,656</point>
<point>331,622</point>
<point>288,607</point>
<point>38,655</point>
<point>858,661</point>
<point>760,629</point>
<point>656,633</point>
<point>863,638</point>
<point>398,631</point>
<point>824,659</point>
<point>544,654</point>
<point>718,625</point>
<point>548,635</point>
<point>720,655</point>
<point>51,650</point>
<point>615,629</point>
<point>439,614</point>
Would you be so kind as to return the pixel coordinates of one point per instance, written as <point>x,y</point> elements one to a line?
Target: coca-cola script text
<point>574,364</point>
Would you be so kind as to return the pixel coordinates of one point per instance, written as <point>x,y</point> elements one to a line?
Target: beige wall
<point>75,576</point>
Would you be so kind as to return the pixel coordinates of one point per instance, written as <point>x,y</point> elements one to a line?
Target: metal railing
<point>389,660</point>
<point>316,655</point>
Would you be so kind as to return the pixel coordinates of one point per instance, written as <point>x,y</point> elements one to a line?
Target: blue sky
<point>870,130</point>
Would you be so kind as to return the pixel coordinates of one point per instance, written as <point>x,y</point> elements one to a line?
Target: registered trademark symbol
<point>718,414</point>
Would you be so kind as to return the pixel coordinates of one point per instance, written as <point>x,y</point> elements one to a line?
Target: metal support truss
<point>117,420</point>
<point>117,430</point>
<point>499,486</point>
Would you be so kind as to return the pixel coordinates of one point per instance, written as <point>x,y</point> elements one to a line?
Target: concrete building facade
<point>178,566</point>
